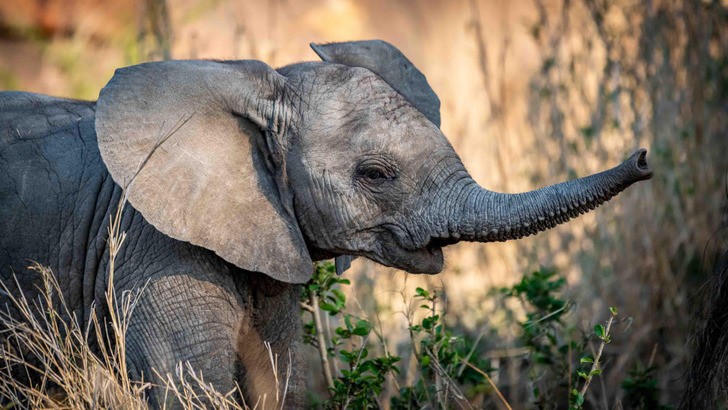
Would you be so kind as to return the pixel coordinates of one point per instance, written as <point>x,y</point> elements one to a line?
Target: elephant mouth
<point>427,259</point>
<point>440,242</point>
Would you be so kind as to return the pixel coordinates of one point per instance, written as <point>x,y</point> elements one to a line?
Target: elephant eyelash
<point>375,172</point>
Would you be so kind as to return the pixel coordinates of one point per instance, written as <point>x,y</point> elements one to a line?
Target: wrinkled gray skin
<point>345,164</point>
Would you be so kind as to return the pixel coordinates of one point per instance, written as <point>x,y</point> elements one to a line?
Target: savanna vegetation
<point>599,313</point>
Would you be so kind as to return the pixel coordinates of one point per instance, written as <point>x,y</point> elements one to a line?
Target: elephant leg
<point>234,330</point>
<point>182,319</point>
<point>270,371</point>
<point>270,344</point>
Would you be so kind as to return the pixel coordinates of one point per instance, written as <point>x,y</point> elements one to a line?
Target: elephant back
<point>49,165</point>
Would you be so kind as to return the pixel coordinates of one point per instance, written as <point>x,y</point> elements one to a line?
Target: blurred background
<point>533,92</point>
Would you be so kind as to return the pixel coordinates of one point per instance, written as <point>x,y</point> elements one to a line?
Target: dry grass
<point>49,359</point>
<point>45,343</point>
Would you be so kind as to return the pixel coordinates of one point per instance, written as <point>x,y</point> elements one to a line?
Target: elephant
<point>238,177</point>
<point>706,376</point>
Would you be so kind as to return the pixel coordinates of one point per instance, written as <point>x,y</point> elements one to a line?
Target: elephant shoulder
<point>49,165</point>
<point>39,129</point>
<point>46,140</point>
<point>29,116</point>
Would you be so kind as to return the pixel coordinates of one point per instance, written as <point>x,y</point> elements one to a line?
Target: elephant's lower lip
<point>439,260</point>
<point>428,260</point>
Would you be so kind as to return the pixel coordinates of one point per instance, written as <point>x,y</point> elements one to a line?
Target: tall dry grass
<point>47,358</point>
<point>50,359</point>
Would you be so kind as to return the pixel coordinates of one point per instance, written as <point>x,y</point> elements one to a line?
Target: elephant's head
<point>271,169</point>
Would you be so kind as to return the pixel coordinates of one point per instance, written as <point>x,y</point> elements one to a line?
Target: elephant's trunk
<point>488,216</point>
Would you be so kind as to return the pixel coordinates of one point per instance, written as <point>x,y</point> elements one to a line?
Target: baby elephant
<point>238,177</point>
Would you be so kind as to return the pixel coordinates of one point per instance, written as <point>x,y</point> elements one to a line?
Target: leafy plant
<point>550,341</point>
<point>356,376</point>
<point>641,389</point>
<point>576,397</point>
<point>442,358</point>
<point>361,379</point>
<point>450,370</point>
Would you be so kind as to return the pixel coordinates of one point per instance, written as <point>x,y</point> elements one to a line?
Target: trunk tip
<point>639,166</point>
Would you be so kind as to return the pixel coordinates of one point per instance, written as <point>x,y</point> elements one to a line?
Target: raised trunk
<point>489,216</point>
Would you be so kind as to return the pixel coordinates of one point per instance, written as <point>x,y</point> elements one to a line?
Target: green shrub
<point>451,371</point>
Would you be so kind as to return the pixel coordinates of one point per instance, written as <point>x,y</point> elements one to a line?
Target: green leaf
<point>428,322</point>
<point>576,398</point>
<point>586,359</point>
<point>599,330</point>
<point>425,361</point>
<point>362,328</point>
<point>360,331</point>
<point>339,295</point>
<point>582,375</point>
<point>347,357</point>
<point>613,310</point>
<point>328,307</point>
<point>595,372</point>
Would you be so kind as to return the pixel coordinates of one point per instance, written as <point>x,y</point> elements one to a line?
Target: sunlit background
<point>533,92</point>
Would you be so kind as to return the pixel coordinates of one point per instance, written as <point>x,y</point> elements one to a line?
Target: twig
<point>434,355</point>
<point>484,374</point>
<point>595,365</point>
<point>555,312</point>
<point>320,338</point>
<point>452,388</point>
<point>160,140</point>
<point>507,352</point>
<point>470,353</point>
<point>568,358</point>
<point>334,363</point>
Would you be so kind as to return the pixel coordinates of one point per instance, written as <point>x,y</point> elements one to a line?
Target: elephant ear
<point>391,65</point>
<point>198,147</point>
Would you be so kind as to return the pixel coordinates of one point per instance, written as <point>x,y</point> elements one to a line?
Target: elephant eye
<point>376,171</point>
<point>374,174</point>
